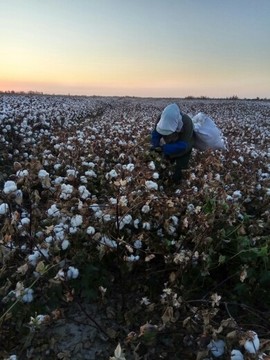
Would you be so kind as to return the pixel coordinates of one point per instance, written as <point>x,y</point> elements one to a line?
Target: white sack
<point>207,134</point>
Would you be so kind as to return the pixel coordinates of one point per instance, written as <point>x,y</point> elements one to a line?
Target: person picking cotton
<point>173,135</point>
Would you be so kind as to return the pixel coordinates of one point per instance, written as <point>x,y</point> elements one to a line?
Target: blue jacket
<point>183,144</point>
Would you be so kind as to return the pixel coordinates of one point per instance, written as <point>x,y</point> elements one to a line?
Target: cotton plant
<point>10,187</point>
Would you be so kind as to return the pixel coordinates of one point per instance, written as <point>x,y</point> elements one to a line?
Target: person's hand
<point>156,149</point>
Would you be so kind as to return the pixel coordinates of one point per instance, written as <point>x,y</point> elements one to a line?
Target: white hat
<point>170,120</point>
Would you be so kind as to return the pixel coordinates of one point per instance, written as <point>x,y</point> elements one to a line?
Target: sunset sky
<point>148,48</point>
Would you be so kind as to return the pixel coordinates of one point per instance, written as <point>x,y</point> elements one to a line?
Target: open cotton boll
<point>65,244</point>
<point>151,185</point>
<point>66,191</point>
<point>53,211</point>
<point>129,167</point>
<point>28,295</point>
<point>152,165</point>
<point>84,193</point>
<point>33,258</point>
<point>113,201</point>
<point>111,174</point>
<point>25,221</point>
<point>125,221</point>
<point>90,173</point>
<point>9,187</point>
<point>3,209</point>
<point>76,220</point>
<point>43,174</point>
<point>146,209</point>
<point>72,273</point>
<point>90,230</point>
<point>71,173</point>
<point>132,258</point>
<point>253,343</point>
<point>236,355</point>
<point>22,173</point>
<point>105,240</point>
<point>217,347</point>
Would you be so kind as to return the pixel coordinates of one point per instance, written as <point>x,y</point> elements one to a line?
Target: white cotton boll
<point>190,208</point>
<point>33,258</point>
<point>83,179</point>
<point>108,242</point>
<point>137,244</point>
<point>111,174</point>
<point>132,258</point>
<point>217,177</point>
<point>146,226</point>
<point>43,174</point>
<point>40,319</point>
<point>151,185</point>
<point>71,172</point>
<point>235,162</point>
<point>113,201</point>
<point>152,165</point>
<point>22,173</point>
<point>28,295</point>
<point>236,355</point>
<point>130,167</point>
<point>252,345</point>
<point>174,220</point>
<point>72,273</point>
<point>124,221</point>
<point>217,347</point>
<point>58,180</point>
<point>53,211</point>
<point>123,201</point>
<point>65,244</point>
<point>3,209</point>
<point>136,223</point>
<point>241,159</point>
<point>91,164</point>
<point>95,207</point>
<point>146,209</point>
<point>73,230</point>
<point>76,220</point>
<point>99,214</point>
<point>9,187</point>
<point>237,194</point>
<point>90,173</point>
<point>66,191</point>
<point>155,175</point>
<point>107,217</point>
<point>56,166</point>
<point>49,239</point>
<point>12,357</point>
<point>268,192</point>
<point>25,221</point>
<point>90,230</point>
<point>59,234</point>
<point>84,193</point>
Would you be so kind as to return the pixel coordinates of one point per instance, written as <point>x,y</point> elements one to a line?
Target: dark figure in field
<point>174,137</point>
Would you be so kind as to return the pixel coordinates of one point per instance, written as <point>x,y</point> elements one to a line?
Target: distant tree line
<point>189,97</point>
<point>22,92</point>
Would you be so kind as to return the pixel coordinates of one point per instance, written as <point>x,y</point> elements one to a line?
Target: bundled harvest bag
<point>207,134</point>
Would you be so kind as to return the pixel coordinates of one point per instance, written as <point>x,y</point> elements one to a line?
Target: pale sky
<point>148,48</point>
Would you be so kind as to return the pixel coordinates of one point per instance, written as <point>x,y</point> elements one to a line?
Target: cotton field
<point>88,214</point>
